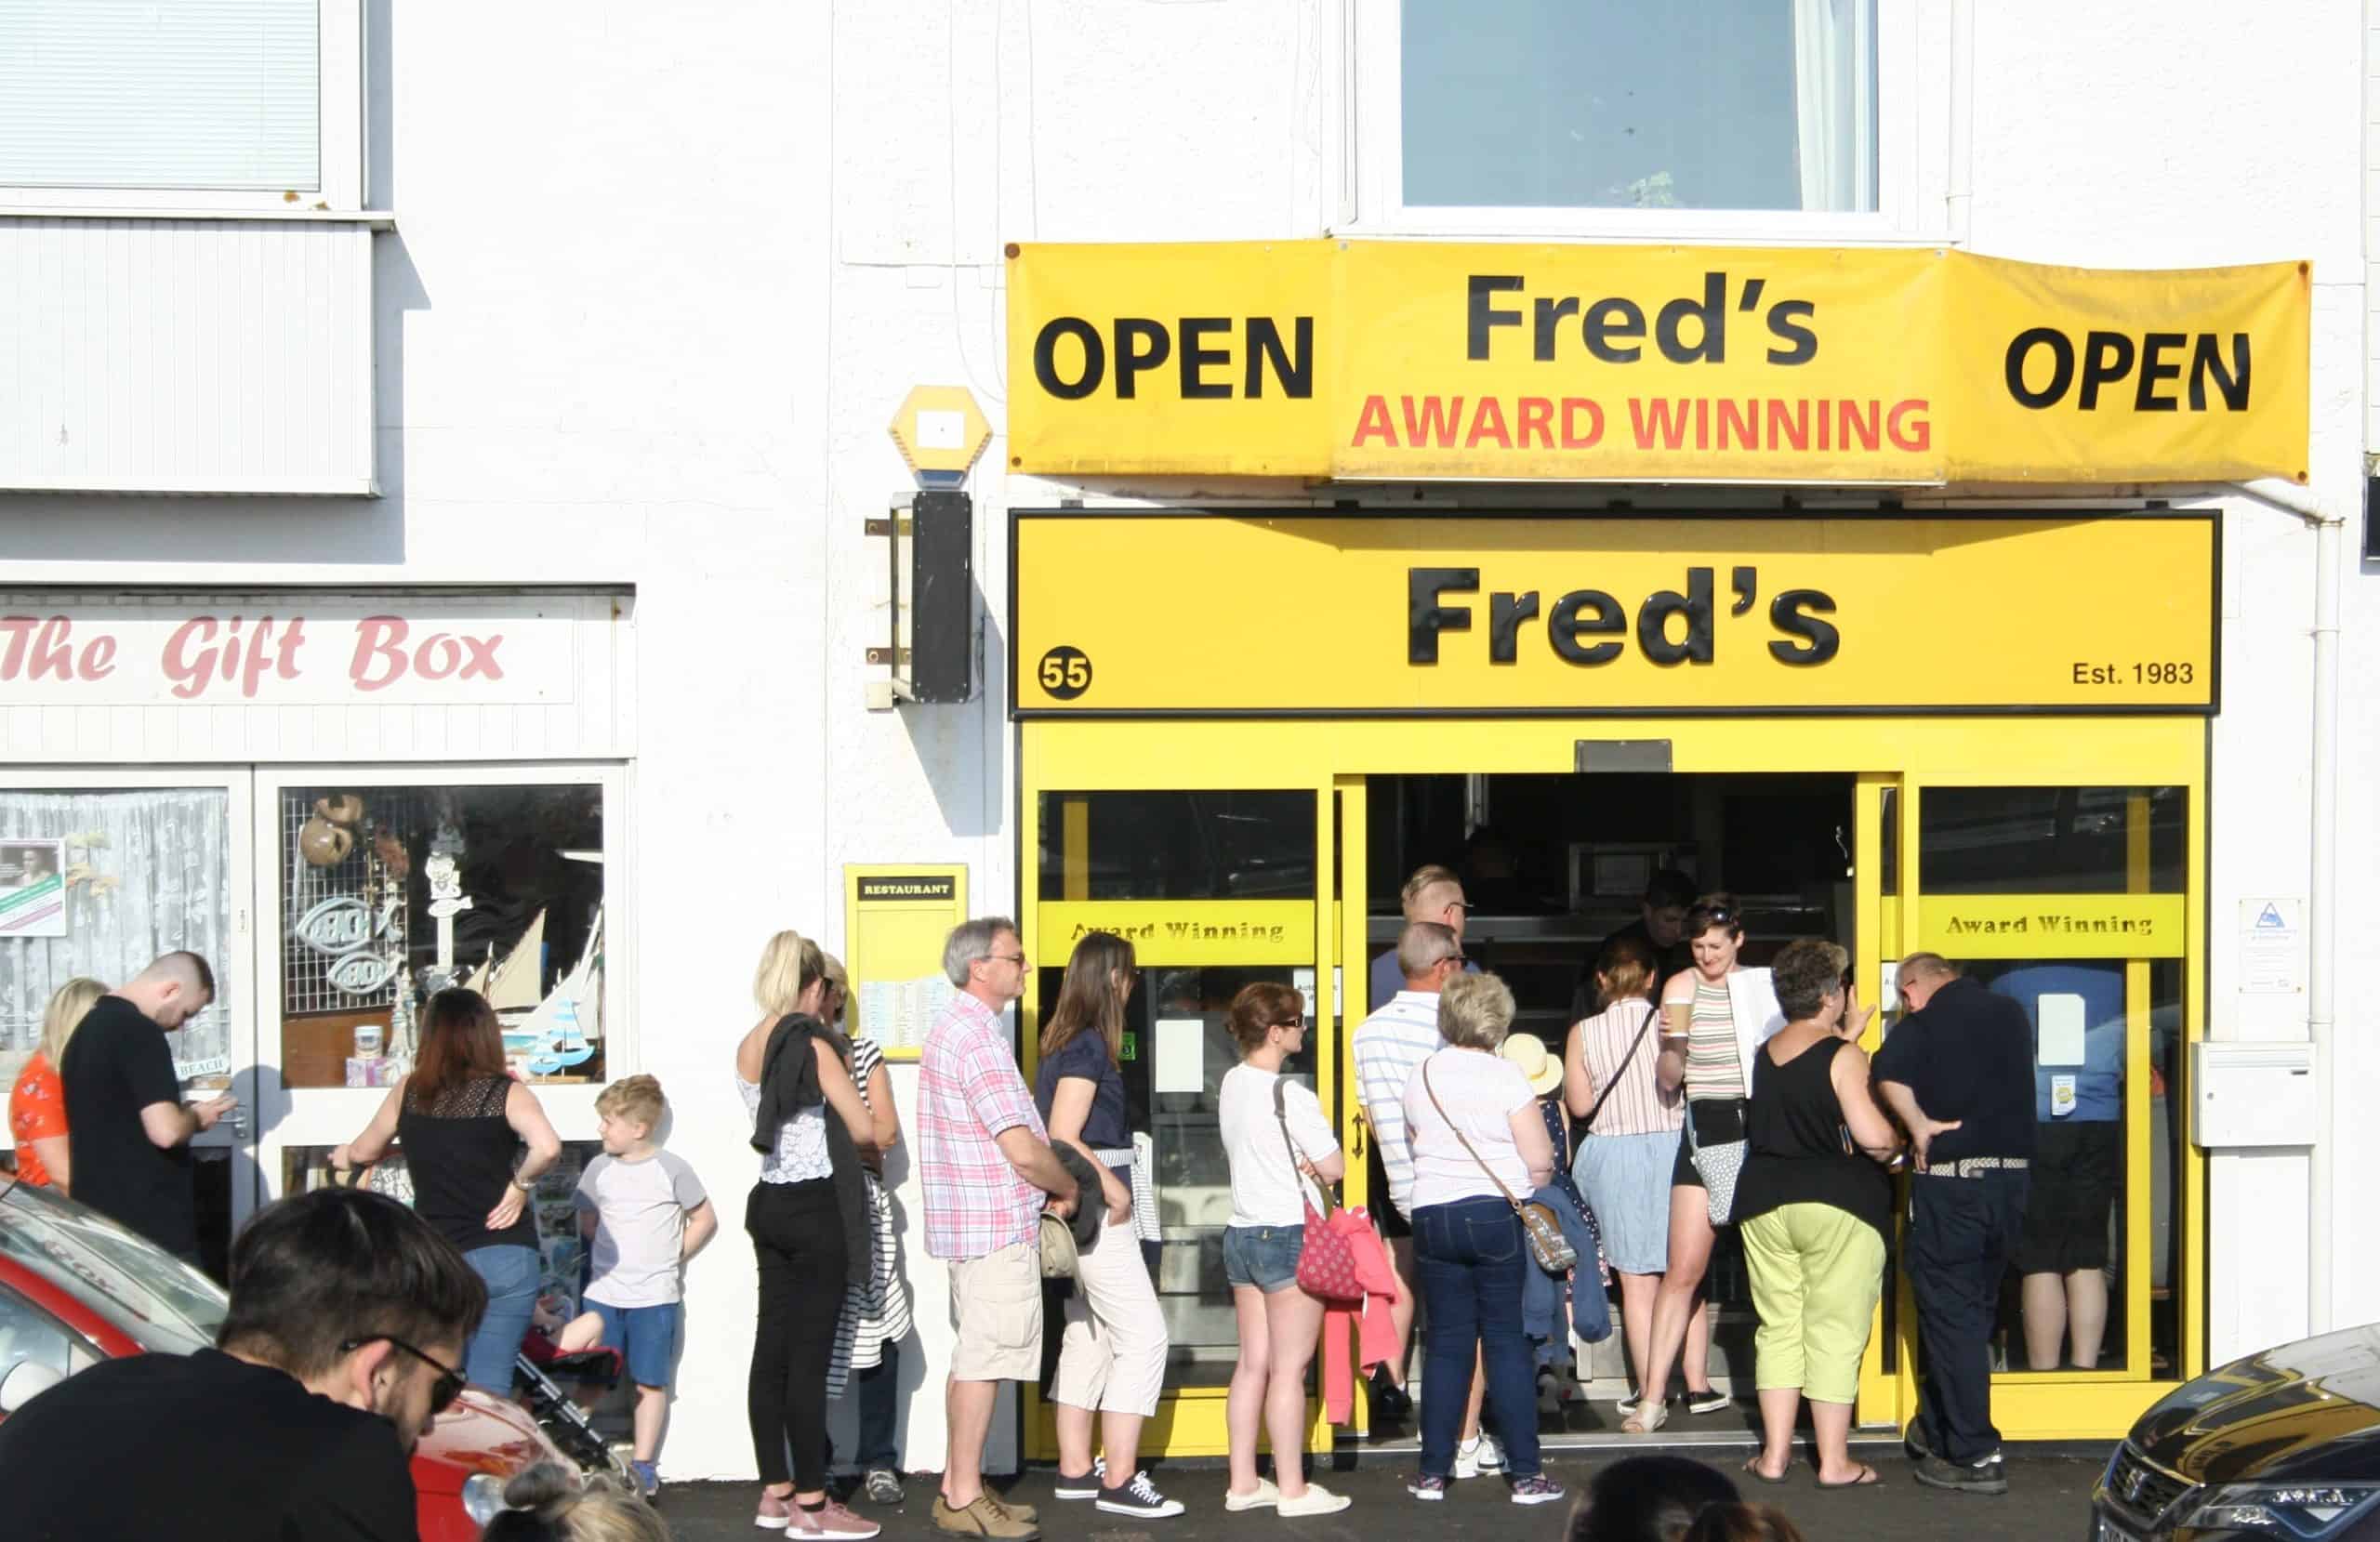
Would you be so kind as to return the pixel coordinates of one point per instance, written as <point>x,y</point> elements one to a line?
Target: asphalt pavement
<point>2048,1497</point>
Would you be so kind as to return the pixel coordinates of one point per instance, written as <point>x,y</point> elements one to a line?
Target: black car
<point>2286,1443</point>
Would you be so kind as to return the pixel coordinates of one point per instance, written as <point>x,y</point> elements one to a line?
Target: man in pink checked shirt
<point>985,1160</point>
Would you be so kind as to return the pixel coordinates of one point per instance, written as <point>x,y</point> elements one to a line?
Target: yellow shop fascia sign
<point>1295,614</point>
<point>1398,359</point>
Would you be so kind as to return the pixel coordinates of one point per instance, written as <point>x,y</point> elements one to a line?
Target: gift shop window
<point>392,891</point>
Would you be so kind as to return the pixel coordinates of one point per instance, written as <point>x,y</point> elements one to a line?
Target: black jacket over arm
<point>789,1084</point>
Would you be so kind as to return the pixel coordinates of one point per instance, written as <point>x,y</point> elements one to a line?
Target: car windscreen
<point>161,1302</point>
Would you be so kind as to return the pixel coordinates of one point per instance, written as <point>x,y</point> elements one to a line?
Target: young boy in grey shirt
<point>647,1213</point>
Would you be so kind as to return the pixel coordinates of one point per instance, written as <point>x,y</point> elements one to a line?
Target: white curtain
<point>1832,112</point>
<point>150,872</point>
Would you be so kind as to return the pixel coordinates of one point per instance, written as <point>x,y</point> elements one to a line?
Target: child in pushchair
<point>560,1350</point>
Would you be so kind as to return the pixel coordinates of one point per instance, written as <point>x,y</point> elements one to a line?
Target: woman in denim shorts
<point>1274,1149</point>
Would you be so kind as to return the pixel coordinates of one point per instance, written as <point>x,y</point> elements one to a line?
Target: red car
<point>75,1289</point>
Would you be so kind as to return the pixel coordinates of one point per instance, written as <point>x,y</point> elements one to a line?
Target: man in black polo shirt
<point>127,1133</point>
<point>348,1314</point>
<point>1957,1072</point>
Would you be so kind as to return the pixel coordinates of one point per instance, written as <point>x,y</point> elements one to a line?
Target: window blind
<point>176,94</point>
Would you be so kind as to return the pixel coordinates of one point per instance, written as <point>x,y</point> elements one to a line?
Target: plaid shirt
<point>968,1090</point>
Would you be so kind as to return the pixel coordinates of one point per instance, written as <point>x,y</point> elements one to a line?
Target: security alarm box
<point>2251,1095</point>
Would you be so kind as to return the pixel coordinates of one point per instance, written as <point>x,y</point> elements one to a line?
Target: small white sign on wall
<point>2272,946</point>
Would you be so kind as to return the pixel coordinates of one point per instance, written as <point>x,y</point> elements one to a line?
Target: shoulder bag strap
<point>1466,1141</point>
<point>1587,1126</point>
<point>1297,1157</point>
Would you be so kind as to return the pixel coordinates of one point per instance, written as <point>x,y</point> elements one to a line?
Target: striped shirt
<point>1636,1105</point>
<point>1388,1045</point>
<point>968,1090</point>
<point>1714,1069</point>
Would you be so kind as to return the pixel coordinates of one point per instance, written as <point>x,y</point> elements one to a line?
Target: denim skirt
<point>1626,1182</point>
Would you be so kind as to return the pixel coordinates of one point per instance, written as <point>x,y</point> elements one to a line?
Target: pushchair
<point>538,1362</point>
<point>564,1422</point>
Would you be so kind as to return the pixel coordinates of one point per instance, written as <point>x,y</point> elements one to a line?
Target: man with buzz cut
<point>1958,1073</point>
<point>128,1132</point>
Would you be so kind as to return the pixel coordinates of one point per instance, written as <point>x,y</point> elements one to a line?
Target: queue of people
<point>1705,1096</point>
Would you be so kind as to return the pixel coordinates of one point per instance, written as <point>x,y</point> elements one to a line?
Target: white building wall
<point>660,276</point>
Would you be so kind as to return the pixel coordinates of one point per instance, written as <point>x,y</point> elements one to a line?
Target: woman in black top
<point>1113,1361</point>
<point>1813,1205</point>
<point>464,1123</point>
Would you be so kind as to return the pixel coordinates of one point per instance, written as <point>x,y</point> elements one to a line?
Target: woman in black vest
<point>474,1142</point>
<point>1814,1206</point>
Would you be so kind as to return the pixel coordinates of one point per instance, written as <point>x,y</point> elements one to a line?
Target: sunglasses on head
<point>443,1392</point>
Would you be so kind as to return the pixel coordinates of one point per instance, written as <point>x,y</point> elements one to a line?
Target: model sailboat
<point>565,1028</point>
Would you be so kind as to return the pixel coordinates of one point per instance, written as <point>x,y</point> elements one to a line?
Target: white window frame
<point>327,1116</point>
<point>340,76</point>
<point>1914,55</point>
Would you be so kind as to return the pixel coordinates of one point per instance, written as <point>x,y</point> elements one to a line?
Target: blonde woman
<point>546,1503</point>
<point>1478,1141</point>
<point>808,1218</point>
<point>37,1103</point>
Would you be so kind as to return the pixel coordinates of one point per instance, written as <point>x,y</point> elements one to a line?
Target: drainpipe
<point>2321,899</point>
<point>1958,198</point>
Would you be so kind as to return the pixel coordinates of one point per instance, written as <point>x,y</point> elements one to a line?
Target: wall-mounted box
<point>2251,1095</point>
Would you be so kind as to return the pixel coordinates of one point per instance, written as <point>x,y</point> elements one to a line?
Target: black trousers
<point>1962,1234</point>
<point>798,1235</point>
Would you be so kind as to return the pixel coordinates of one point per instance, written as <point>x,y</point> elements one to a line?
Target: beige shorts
<point>996,1309</point>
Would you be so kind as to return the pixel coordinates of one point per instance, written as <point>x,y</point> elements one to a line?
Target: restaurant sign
<point>1404,359</point>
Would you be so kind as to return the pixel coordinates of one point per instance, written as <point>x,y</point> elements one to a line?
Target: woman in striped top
<point>1700,1053</point>
<point>1627,1145</point>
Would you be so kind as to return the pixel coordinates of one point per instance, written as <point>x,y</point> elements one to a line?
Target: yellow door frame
<point>1332,757</point>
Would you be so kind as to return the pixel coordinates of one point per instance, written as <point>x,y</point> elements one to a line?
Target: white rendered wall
<point>661,275</point>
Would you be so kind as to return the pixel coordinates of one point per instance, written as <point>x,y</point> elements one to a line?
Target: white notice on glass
<point>2063,1020</point>
<point>1180,1064</point>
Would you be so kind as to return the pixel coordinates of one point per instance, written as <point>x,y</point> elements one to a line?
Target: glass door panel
<point>2073,902</point>
<point>1215,891</point>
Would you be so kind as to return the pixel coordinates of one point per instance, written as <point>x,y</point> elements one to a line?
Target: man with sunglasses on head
<point>347,1320</point>
<point>1432,894</point>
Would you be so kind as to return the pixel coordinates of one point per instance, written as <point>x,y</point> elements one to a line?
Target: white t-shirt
<point>1481,1093</point>
<point>1265,1187</point>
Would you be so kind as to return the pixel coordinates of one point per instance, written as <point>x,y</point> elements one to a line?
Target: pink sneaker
<point>831,1519</point>
<point>775,1510</point>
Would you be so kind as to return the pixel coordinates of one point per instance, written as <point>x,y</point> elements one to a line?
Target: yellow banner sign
<point>2051,926</point>
<point>1398,360</point>
<point>1385,617</point>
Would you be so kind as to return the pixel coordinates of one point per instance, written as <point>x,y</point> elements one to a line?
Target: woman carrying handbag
<point>1264,1246</point>
<point>1627,1145</point>
<point>1478,1141</point>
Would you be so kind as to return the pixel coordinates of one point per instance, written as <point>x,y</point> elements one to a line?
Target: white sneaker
<point>1264,1496</point>
<point>1315,1500</point>
<point>1466,1459</point>
<point>1491,1453</point>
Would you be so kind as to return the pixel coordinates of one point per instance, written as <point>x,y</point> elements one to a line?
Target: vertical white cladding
<point>142,355</point>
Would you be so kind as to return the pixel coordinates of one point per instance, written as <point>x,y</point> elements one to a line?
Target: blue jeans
<point>1471,1256</point>
<point>1541,1293</point>
<point>511,1273</point>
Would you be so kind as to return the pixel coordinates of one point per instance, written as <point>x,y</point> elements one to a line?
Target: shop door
<point>2076,900</point>
<point>101,870</point>
<point>1217,889</point>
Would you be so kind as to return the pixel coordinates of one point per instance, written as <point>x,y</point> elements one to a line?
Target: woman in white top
<point>1627,1143</point>
<point>801,1216</point>
<point>1479,1143</point>
<point>1275,1138</point>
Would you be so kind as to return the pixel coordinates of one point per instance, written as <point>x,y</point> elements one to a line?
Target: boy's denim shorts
<point>1265,1257</point>
<point>646,1338</point>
